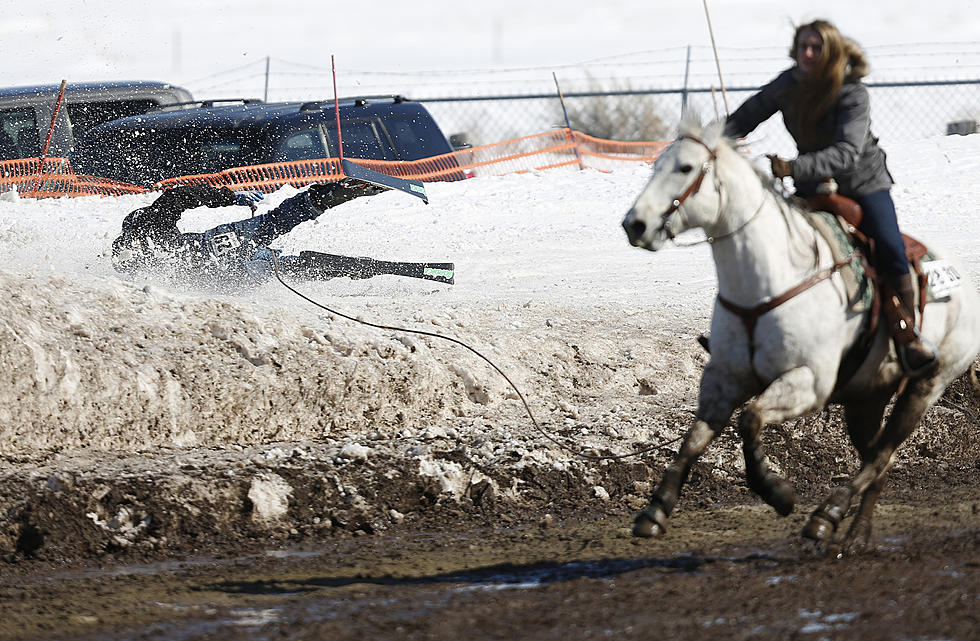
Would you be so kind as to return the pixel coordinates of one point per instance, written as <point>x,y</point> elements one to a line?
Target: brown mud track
<point>241,473</point>
<point>402,558</point>
<point>725,571</point>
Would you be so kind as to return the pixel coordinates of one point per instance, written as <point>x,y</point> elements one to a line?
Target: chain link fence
<point>917,90</point>
<point>900,111</point>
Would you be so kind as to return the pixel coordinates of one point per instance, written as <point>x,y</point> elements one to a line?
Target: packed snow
<point>546,287</point>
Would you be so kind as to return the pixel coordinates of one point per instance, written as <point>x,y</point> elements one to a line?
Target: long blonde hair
<point>841,59</point>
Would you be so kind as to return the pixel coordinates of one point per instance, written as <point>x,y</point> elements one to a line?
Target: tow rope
<point>544,433</point>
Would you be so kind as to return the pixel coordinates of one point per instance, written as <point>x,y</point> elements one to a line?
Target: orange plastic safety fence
<point>266,178</point>
<point>605,154</point>
<point>560,148</point>
<point>56,179</point>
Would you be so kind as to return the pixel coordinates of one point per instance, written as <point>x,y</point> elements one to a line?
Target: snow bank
<point>547,288</point>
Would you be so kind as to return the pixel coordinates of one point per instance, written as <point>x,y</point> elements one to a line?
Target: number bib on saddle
<point>943,277</point>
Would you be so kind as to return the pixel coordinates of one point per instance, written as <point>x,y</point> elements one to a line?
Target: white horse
<point>780,329</point>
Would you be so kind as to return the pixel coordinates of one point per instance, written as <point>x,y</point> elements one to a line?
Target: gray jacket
<point>844,147</point>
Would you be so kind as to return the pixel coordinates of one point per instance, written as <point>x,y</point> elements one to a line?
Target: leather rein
<point>748,315</point>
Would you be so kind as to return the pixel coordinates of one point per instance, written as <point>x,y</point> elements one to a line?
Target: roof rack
<point>211,102</point>
<point>359,101</point>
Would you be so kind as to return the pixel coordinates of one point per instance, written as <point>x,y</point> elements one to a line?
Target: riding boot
<point>917,356</point>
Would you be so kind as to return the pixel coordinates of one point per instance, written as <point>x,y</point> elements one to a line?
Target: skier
<point>233,255</point>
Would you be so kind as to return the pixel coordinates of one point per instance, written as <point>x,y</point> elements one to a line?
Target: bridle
<point>693,189</point>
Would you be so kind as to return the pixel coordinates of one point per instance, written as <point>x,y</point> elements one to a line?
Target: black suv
<point>206,137</point>
<point>25,112</point>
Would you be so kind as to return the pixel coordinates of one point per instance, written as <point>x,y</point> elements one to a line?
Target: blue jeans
<point>881,224</point>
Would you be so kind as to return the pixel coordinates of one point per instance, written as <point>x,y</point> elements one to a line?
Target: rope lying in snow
<point>527,407</point>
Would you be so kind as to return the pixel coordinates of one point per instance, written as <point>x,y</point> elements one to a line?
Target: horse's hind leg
<point>789,396</point>
<point>718,398</point>
<point>863,424</point>
<point>908,411</point>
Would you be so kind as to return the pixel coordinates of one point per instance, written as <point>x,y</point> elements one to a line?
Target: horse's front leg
<point>791,395</point>
<point>718,398</point>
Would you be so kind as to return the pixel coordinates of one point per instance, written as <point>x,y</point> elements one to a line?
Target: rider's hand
<point>780,168</point>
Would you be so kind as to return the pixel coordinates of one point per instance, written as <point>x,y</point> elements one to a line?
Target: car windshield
<point>143,157</point>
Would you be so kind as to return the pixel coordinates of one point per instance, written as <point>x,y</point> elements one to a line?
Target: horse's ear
<point>691,123</point>
<point>712,133</point>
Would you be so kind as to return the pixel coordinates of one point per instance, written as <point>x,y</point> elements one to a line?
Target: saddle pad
<point>858,286</point>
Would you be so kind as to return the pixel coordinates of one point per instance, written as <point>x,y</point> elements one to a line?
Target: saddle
<point>848,214</point>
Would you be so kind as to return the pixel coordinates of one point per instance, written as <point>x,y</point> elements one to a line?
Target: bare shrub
<point>628,118</point>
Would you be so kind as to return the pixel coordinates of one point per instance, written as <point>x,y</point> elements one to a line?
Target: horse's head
<point>679,196</point>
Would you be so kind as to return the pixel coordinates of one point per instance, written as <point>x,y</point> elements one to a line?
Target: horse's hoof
<point>649,526</point>
<point>858,539</point>
<point>818,528</point>
<point>782,498</point>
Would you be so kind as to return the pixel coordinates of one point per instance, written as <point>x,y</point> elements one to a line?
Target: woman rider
<point>826,109</point>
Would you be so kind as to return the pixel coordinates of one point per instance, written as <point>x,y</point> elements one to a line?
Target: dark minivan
<point>178,141</point>
<point>25,112</point>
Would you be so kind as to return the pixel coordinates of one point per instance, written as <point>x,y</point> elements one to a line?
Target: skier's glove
<point>327,195</point>
<point>250,198</point>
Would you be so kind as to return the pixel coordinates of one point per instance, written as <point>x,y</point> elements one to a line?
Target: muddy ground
<point>192,544</point>
<point>183,468</point>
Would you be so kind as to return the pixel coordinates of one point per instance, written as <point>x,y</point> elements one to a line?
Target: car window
<point>361,140</point>
<point>85,115</point>
<point>416,138</point>
<point>303,145</point>
<point>219,153</point>
<point>18,134</point>
<point>143,157</point>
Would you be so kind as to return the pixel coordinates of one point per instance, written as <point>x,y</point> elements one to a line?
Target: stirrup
<point>925,368</point>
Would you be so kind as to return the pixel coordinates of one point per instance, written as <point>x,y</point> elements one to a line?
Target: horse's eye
<point>685,169</point>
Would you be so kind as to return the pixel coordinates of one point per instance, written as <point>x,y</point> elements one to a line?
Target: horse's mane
<point>792,207</point>
<point>691,125</point>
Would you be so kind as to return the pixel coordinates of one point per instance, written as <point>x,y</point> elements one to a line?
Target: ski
<point>413,187</point>
<point>317,266</point>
